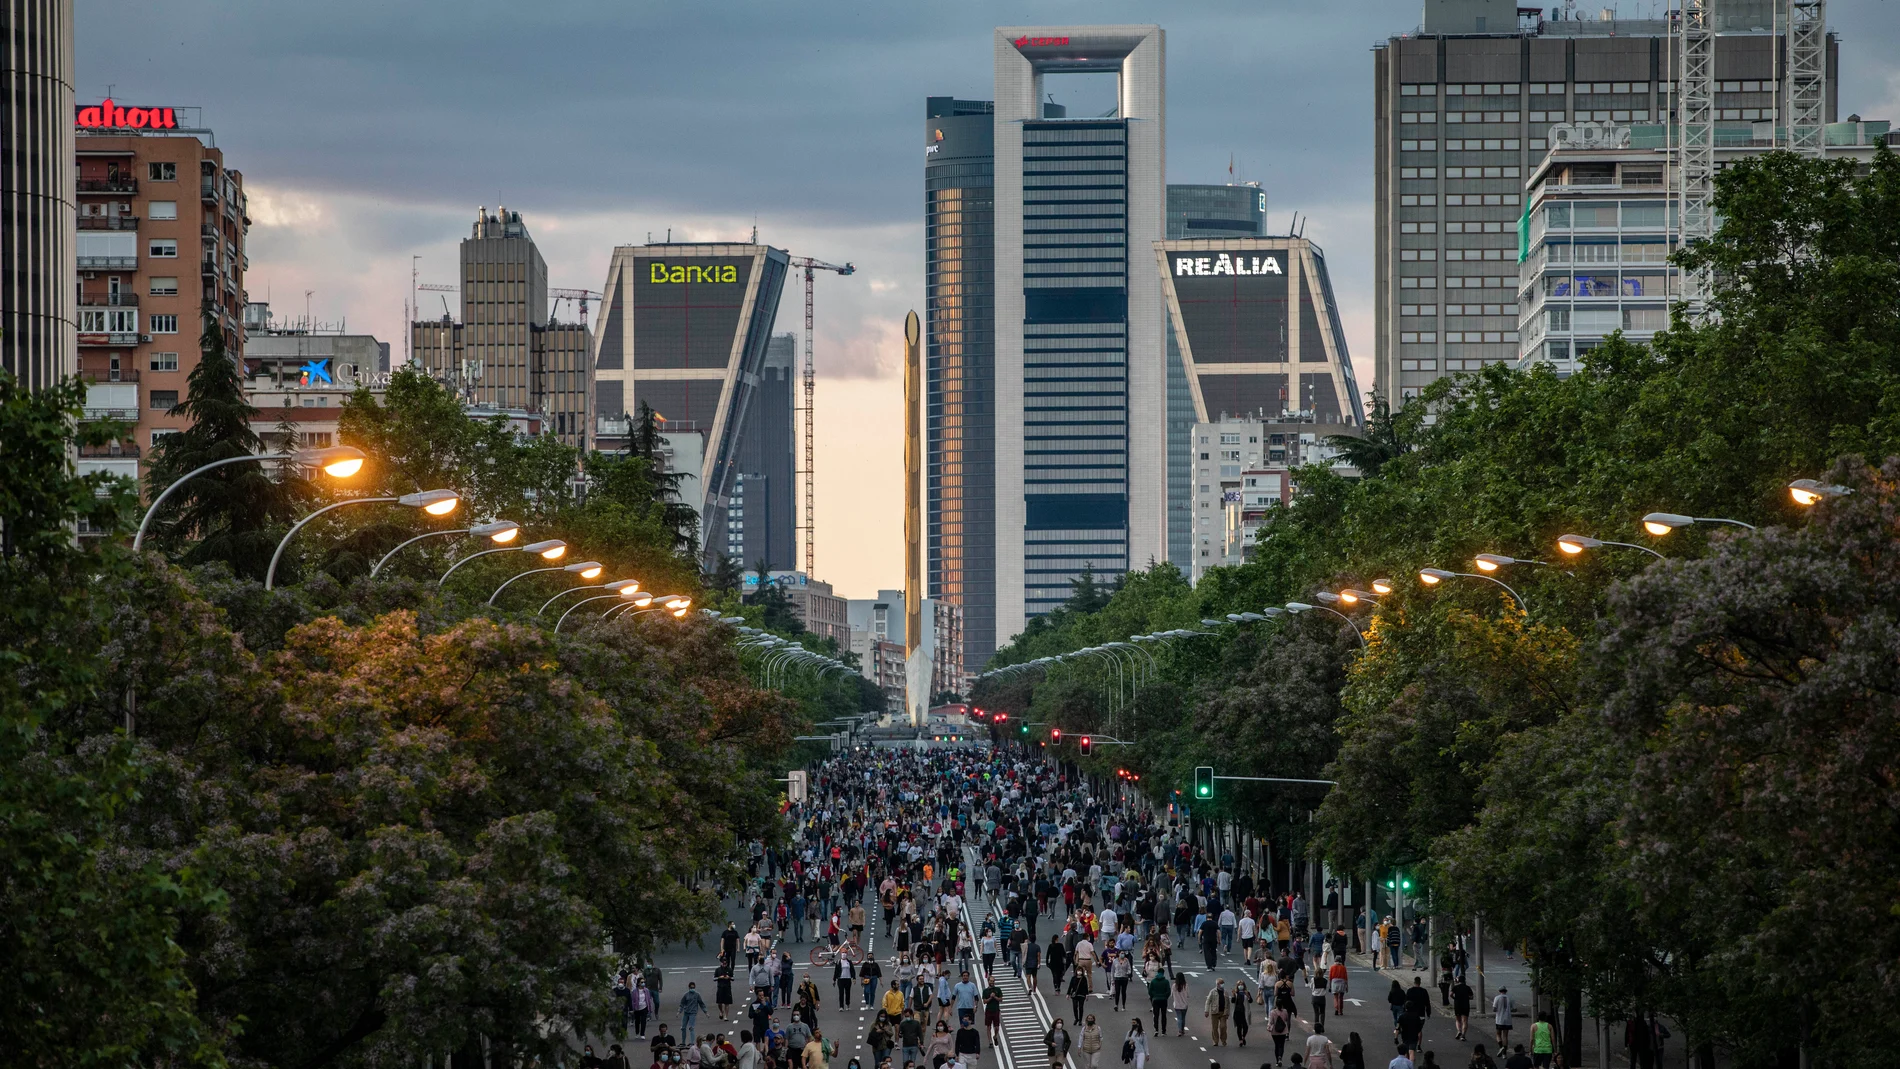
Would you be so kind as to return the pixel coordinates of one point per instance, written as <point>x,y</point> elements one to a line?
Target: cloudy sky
<point>369,131</point>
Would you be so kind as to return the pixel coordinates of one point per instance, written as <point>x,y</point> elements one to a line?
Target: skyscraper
<point>506,352</point>
<point>759,521</point>
<point>1229,211</point>
<point>1463,112</point>
<point>38,324</point>
<point>684,330</point>
<point>1081,407</point>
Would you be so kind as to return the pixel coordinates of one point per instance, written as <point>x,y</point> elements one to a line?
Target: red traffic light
<point>1000,717</point>
<point>1055,735</point>
<point>1086,745</point>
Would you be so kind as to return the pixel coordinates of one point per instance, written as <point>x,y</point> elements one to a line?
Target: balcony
<point>208,267</point>
<point>119,184</point>
<point>121,299</point>
<point>102,339</point>
<point>113,450</point>
<point>108,222</point>
<point>124,374</point>
<point>208,190</point>
<point>108,263</point>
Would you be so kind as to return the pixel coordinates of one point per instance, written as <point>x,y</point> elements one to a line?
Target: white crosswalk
<point>1026,1015</point>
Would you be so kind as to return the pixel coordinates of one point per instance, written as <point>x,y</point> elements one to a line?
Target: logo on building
<point>661,272</point>
<point>1040,42</point>
<point>1224,264</point>
<point>316,371</point>
<point>1590,135</point>
<point>110,116</point>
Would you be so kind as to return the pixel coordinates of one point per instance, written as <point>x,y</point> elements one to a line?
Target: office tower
<point>1197,211</point>
<point>1081,407</point>
<point>684,331</point>
<point>507,354</point>
<point>38,323</point>
<point>142,310</point>
<point>1464,110</point>
<point>759,520</point>
<point>960,363</point>
<point>1229,211</point>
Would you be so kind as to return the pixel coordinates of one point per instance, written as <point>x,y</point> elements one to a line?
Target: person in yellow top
<point>818,1052</point>
<point>893,1002</point>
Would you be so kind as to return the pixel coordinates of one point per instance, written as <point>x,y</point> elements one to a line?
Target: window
<point>162,248</point>
<point>161,209</point>
<point>161,433</point>
<point>164,286</point>
<point>161,172</point>
<point>164,324</point>
<point>164,361</point>
<point>164,400</point>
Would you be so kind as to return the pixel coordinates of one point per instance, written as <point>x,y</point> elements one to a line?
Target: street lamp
<point>337,461</point>
<point>1808,491</point>
<point>499,532</point>
<point>1352,596</point>
<point>617,586</point>
<point>1382,586</point>
<point>1659,524</point>
<point>630,589</point>
<point>1300,606</point>
<point>1491,562</point>
<point>586,569</point>
<point>433,502</point>
<point>1576,544</point>
<point>550,549</point>
<point>1435,576</point>
<point>675,604</point>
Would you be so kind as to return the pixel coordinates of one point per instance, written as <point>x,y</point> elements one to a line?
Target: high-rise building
<point>759,521</point>
<point>38,322</point>
<point>507,353</point>
<point>143,312</point>
<point>960,363</point>
<point>1229,211</point>
<point>1464,109</point>
<point>1197,211</point>
<point>684,332</point>
<point>1080,387</point>
<point>1245,466</point>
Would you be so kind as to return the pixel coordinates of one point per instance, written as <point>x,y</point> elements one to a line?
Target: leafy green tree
<point>233,514</point>
<point>1387,437</point>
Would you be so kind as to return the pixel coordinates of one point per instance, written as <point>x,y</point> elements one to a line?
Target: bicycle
<point>825,955</point>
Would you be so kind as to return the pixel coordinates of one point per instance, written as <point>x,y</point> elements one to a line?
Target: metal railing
<point>122,299</point>
<point>113,450</point>
<point>123,184</point>
<point>108,222</point>
<point>124,374</point>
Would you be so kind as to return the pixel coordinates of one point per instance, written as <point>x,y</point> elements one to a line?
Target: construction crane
<point>811,384</point>
<point>437,287</point>
<point>556,294</point>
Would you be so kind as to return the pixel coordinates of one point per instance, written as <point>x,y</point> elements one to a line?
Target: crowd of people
<point>1099,894</point>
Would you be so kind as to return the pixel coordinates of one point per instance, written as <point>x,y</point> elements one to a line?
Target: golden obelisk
<point>916,654</point>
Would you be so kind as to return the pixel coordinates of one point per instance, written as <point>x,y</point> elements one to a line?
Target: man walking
<point>1501,1017</point>
<point>691,1005</point>
<point>1215,1009</point>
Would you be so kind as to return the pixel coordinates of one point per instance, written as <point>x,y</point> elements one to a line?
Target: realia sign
<point>110,116</point>
<point>1186,266</point>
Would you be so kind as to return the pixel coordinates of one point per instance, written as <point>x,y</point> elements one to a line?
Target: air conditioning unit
<point>90,274</point>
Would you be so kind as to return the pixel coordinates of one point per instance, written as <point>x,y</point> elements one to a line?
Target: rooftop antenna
<point>669,235</point>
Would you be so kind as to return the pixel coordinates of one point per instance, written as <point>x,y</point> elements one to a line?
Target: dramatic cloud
<point>369,132</point>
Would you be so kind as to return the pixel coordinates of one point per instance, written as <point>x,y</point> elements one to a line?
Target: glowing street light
<point>337,461</point>
<point>1576,545</point>
<point>624,588</point>
<point>1491,562</point>
<point>499,532</point>
<point>433,502</point>
<point>1435,576</point>
<point>1659,524</point>
<point>1352,596</point>
<point>1382,586</point>
<point>586,569</point>
<point>549,549</point>
<point>618,586</point>
<point>1808,491</point>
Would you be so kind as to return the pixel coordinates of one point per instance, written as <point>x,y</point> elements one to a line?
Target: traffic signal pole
<point>1278,779</point>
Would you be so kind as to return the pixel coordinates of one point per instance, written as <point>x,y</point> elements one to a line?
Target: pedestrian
<point>1316,991</point>
<point>1336,983</point>
<point>1418,1000</point>
<point>1395,998</point>
<point>1056,1042</point>
<point>640,1001</point>
<point>1238,1015</point>
<point>1480,1060</point>
<point>692,1003</point>
<point>1029,962</point>
<point>968,1043</point>
<point>1215,1009</point>
<point>1078,992</point>
<point>1543,1041</point>
<point>1501,1017</point>
<point>1122,972</point>
<point>1178,1002</point>
<point>1400,1060</point>
<point>1092,1042</point>
<point>1158,1001</point>
<point>993,1011</point>
<point>1135,1045</point>
<point>1279,1026</point>
<point>722,989</point>
<point>1320,1053</point>
<point>1461,996</point>
<point>1353,1054</point>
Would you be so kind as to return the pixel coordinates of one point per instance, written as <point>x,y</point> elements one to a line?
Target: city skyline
<point>372,150</point>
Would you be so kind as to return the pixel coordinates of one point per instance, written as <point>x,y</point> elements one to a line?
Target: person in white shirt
<point>1247,930</point>
<point>1109,921</point>
<point>1501,1018</point>
<point>1320,1053</point>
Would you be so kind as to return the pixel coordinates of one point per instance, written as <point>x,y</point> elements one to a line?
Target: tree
<point>1387,437</point>
<point>232,514</point>
<point>778,612</point>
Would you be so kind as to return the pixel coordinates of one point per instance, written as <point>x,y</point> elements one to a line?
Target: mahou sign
<point>110,116</point>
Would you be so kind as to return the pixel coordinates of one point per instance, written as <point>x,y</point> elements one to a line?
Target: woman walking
<point>1079,992</point>
<point>1279,1026</point>
<point>1057,1042</point>
<point>1461,996</point>
<point>1178,1002</point>
<point>1135,1045</point>
<point>1242,999</point>
<point>1092,1042</point>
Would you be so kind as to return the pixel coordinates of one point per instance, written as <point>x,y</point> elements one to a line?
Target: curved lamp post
<point>1491,562</point>
<point>1806,492</point>
<point>618,586</point>
<point>433,502</point>
<point>1659,524</point>
<point>1435,576</point>
<point>1352,596</point>
<point>499,532</point>
<point>550,549</point>
<point>676,603</point>
<point>586,569</point>
<point>1576,545</point>
<point>337,461</point>
<point>1382,587</point>
<point>1300,606</point>
<point>631,589</point>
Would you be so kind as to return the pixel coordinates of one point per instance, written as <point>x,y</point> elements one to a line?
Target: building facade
<point>1600,225</point>
<point>39,323</point>
<point>507,352</point>
<point>1463,112</point>
<point>760,525</point>
<point>960,362</point>
<point>683,331</point>
<point>1243,468</point>
<point>880,620</point>
<point>151,199</point>
<point>1081,407</point>
<point>298,378</point>
<point>1209,211</point>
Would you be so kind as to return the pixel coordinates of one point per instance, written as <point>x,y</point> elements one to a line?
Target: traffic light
<point>1086,745</point>
<point>1204,781</point>
<point>1055,736</point>
<point>1000,717</point>
<point>1024,729</point>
